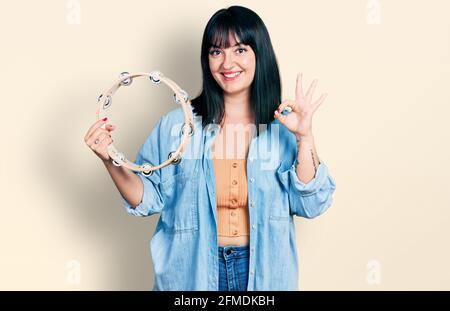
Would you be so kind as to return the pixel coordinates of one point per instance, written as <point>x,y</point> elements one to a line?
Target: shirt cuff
<point>314,184</point>
<point>142,208</point>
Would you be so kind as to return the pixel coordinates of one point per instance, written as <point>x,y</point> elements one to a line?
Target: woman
<point>227,207</point>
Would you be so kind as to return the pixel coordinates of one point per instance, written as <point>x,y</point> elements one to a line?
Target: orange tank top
<point>231,197</point>
<point>233,226</point>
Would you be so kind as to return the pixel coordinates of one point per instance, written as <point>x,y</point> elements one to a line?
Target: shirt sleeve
<point>313,198</point>
<point>152,201</point>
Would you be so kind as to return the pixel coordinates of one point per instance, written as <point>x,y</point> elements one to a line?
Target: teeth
<point>232,75</point>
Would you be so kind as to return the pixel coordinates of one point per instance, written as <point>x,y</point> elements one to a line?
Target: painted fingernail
<point>105,118</point>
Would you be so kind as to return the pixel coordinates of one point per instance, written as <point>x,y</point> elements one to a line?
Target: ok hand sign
<point>299,121</point>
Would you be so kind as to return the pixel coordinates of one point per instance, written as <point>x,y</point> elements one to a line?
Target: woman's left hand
<point>299,121</point>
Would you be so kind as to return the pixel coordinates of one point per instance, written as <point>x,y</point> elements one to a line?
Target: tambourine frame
<point>187,130</point>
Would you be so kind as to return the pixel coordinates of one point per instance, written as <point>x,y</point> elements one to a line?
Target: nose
<point>228,61</point>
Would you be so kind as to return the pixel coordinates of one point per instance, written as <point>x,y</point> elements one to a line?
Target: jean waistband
<point>232,250</point>
<point>235,247</point>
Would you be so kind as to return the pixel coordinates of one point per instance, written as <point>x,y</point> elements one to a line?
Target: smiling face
<point>234,67</point>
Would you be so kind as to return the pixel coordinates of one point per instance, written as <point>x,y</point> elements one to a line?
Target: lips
<point>231,75</point>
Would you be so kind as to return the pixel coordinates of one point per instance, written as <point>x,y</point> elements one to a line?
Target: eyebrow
<point>216,46</point>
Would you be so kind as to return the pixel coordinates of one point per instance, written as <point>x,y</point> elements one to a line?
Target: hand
<point>299,121</point>
<point>101,136</point>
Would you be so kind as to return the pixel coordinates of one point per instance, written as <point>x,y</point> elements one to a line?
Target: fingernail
<point>105,118</point>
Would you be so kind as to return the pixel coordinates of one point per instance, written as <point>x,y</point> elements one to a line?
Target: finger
<point>110,127</point>
<point>319,101</point>
<point>98,134</point>
<point>107,141</point>
<point>311,90</point>
<point>95,146</point>
<point>110,141</point>
<point>94,126</point>
<point>279,117</point>
<point>299,87</point>
<point>103,143</point>
<point>284,104</point>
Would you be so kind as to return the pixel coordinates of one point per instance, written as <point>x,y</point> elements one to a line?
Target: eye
<point>241,49</point>
<point>213,51</point>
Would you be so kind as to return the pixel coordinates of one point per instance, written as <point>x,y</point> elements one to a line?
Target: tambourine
<point>180,96</point>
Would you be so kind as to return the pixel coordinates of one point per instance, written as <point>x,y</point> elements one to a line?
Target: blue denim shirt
<point>184,244</point>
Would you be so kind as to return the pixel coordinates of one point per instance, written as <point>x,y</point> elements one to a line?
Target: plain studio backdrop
<point>383,132</point>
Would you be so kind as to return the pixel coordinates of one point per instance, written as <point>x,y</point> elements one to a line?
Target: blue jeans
<point>233,268</point>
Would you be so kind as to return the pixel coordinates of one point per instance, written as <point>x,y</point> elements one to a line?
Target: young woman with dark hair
<point>227,207</point>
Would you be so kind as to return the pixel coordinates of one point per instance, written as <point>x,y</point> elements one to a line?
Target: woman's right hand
<point>101,136</point>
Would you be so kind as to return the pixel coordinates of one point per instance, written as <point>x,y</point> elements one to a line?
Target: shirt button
<point>234,164</point>
<point>233,201</point>
<point>251,159</point>
<point>235,232</point>
<point>254,226</point>
<point>252,179</point>
<point>234,182</point>
<point>252,204</point>
<point>252,249</point>
<point>252,272</point>
<point>233,214</point>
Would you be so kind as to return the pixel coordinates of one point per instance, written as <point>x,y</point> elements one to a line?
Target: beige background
<point>382,131</point>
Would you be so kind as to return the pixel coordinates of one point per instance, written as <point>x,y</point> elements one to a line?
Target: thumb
<point>280,117</point>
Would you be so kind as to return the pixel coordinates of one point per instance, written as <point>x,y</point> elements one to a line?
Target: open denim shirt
<point>184,244</point>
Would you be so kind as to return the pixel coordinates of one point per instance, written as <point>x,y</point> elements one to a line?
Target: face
<point>233,68</point>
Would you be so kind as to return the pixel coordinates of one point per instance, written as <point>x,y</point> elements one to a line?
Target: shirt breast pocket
<point>279,210</point>
<point>180,213</point>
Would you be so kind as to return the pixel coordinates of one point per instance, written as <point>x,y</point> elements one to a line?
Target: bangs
<point>219,34</point>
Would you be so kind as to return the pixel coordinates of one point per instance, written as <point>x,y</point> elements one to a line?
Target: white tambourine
<point>180,96</point>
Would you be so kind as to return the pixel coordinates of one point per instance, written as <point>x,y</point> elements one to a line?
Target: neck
<point>237,106</point>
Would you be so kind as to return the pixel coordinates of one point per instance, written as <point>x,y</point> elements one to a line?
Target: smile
<point>229,77</point>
